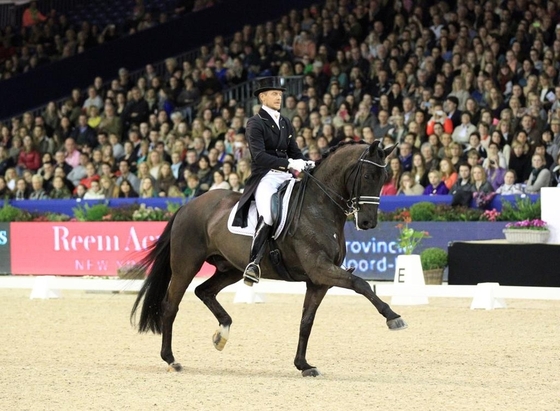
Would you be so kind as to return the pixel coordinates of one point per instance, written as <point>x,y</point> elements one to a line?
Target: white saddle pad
<point>253,218</point>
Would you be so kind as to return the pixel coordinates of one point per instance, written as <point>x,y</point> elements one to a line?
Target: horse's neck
<point>332,202</point>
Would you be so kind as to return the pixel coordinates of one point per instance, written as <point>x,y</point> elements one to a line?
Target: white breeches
<point>267,187</point>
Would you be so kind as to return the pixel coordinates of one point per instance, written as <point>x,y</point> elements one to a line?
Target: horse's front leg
<point>313,297</point>
<point>332,276</point>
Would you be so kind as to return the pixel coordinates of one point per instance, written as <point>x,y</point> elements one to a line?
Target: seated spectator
<point>419,171</point>
<point>59,190</point>
<point>37,193</point>
<point>509,187</point>
<point>428,153</point>
<point>219,181</point>
<point>479,182</point>
<point>126,174</point>
<point>463,182</point>
<point>29,157</point>
<point>462,132</point>
<point>91,175</point>
<point>455,155</point>
<point>520,162</point>
<point>204,173</point>
<point>436,185</point>
<point>94,192</point>
<point>22,190</point>
<point>108,187</point>
<point>235,182</point>
<point>11,178</point>
<point>79,192</point>
<point>476,145</point>
<point>448,173</point>
<point>391,186</point>
<point>147,189</point>
<point>165,179</point>
<point>408,186</point>
<point>175,192</point>
<point>539,177</point>
<point>439,117</point>
<point>32,16</point>
<point>494,153</point>
<point>5,192</point>
<point>494,172</point>
<point>5,160</point>
<point>192,189</point>
<point>405,156</point>
<point>126,190</point>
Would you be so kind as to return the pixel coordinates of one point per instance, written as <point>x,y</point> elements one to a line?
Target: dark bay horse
<point>348,181</point>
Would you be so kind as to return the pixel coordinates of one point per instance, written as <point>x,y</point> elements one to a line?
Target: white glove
<point>297,165</point>
<point>310,164</point>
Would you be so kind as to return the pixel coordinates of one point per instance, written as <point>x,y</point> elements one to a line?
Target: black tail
<point>157,264</point>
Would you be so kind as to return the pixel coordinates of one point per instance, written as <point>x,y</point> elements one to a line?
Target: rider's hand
<point>297,165</point>
<point>310,164</point>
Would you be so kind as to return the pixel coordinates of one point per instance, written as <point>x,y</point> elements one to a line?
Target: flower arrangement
<point>409,238</point>
<point>490,215</point>
<point>536,224</point>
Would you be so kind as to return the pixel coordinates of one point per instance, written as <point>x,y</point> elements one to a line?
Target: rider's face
<point>272,99</point>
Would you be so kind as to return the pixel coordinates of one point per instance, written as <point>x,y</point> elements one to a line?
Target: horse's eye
<point>366,176</point>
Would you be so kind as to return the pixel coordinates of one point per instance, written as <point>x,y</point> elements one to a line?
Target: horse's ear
<point>373,147</point>
<point>390,149</point>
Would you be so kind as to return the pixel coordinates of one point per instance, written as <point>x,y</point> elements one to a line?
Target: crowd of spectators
<point>52,36</point>
<point>469,93</point>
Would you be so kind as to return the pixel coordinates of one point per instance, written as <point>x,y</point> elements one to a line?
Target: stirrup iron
<point>252,274</point>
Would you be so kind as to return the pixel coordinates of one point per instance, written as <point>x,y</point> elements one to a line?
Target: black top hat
<point>268,83</point>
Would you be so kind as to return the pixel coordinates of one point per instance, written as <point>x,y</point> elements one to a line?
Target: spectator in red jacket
<point>29,157</point>
<point>32,15</point>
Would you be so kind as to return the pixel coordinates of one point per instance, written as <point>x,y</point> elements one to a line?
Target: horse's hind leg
<point>207,292</point>
<point>180,280</point>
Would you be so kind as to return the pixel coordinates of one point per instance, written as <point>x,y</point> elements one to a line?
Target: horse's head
<point>366,183</point>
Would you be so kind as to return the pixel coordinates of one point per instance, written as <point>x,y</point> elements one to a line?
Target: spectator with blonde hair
<point>479,181</point>
<point>436,185</point>
<point>408,186</point>
<point>539,177</point>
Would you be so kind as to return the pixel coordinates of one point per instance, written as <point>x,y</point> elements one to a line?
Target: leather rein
<point>351,205</point>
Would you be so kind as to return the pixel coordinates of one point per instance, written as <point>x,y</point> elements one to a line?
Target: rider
<point>272,143</point>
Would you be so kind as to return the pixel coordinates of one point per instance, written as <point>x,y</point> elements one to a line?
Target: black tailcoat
<point>270,148</point>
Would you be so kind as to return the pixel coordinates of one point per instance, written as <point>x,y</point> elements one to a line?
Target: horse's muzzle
<point>367,224</point>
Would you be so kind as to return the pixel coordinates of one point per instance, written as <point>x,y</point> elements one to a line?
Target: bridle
<point>351,205</point>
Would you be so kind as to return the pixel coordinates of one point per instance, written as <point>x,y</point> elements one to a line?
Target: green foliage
<point>173,207</point>
<point>433,258</point>
<point>522,209</point>
<point>409,238</point>
<point>149,214</point>
<point>10,214</point>
<point>423,211</point>
<point>95,212</point>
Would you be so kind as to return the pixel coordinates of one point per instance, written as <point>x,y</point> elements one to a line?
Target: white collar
<point>273,113</point>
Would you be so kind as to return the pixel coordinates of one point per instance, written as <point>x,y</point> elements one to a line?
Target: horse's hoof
<point>175,367</point>
<point>397,324</point>
<point>311,372</point>
<point>220,338</point>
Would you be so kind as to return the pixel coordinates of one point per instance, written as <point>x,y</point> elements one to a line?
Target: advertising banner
<point>98,249</point>
<point>5,265</point>
<point>374,252</point>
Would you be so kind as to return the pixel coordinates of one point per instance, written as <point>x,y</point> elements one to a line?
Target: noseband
<point>351,205</point>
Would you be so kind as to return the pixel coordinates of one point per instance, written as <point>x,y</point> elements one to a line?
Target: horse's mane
<point>334,148</point>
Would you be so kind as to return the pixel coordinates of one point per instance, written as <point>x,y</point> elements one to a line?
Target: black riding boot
<point>252,273</point>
